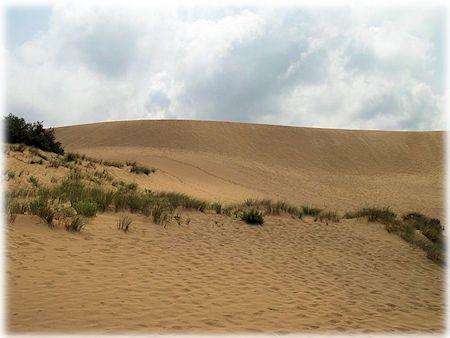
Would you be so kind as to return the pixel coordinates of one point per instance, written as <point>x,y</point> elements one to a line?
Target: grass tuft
<point>252,216</point>
<point>124,223</point>
<point>75,224</point>
<point>141,170</point>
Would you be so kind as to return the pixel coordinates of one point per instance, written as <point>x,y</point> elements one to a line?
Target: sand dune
<point>337,169</point>
<point>215,273</point>
<point>219,275</point>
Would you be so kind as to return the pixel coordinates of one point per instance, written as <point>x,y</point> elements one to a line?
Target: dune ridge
<point>225,161</point>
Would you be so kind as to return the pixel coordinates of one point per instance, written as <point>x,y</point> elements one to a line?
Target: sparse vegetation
<point>87,190</point>
<point>252,216</point>
<point>116,164</point>
<point>124,223</point>
<point>10,174</point>
<point>311,211</point>
<point>381,215</point>
<point>34,181</point>
<point>42,208</point>
<point>86,208</point>
<point>161,213</point>
<point>141,170</point>
<point>217,207</point>
<point>75,224</point>
<point>327,216</point>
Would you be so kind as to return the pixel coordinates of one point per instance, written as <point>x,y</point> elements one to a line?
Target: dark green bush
<point>32,134</point>
<point>252,216</point>
<point>430,227</point>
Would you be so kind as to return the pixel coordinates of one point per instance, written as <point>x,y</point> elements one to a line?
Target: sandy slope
<point>338,169</point>
<point>217,274</point>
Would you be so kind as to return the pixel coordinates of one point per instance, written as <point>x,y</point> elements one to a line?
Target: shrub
<point>436,253</point>
<point>71,157</point>
<point>217,207</point>
<point>182,200</point>
<point>75,224</point>
<point>17,147</point>
<point>383,215</point>
<point>252,216</point>
<point>116,164</point>
<point>178,219</point>
<point>34,181</point>
<point>140,169</point>
<point>85,208</point>
<point>32,134</point>
<point>326,216</point>
<point>310,211</point>
<point>10,174</point>
<point>430,227</point>
<point>124,223</point>
<point>161,213</point>
<point>42,209</point>
<point>103,175</point>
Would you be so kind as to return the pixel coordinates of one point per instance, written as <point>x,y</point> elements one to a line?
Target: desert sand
<point>219,275</point>
<point>213,273</point>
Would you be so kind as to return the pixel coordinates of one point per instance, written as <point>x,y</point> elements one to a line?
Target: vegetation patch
<point>141,170</point>
<point>86,208</point>
<point>124,223</point>
<point>327,216</point>
<point>311,211</point>
<point>32,134</point>
<point>252,216</point>
<point>75,224</point>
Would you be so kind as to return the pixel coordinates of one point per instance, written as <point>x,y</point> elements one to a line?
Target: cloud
<point>342,68</point>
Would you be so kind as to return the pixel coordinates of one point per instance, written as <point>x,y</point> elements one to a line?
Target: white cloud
<point>360,68</point>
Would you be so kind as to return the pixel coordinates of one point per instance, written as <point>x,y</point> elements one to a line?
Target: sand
<point>229,162</point>
<point>219,275</point>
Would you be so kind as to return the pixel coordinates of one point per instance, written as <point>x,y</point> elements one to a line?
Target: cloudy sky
<point>343,67</point>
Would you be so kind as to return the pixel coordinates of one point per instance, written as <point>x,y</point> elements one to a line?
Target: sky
<point>331,67</point>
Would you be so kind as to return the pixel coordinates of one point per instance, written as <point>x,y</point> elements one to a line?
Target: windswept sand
<point>219,275</point>
<point>229,162</point>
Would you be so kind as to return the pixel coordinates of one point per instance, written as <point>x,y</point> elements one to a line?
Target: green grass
<point>252,216</point>
<point>86,208</point>
<point>161,213</point>
<point>176,200</point>
<point>381,215</point>
<point>43,209</point>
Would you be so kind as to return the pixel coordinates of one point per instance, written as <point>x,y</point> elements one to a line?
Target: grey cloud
<point>322,67</point>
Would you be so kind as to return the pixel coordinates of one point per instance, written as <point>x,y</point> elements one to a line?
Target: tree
<point>32,134</point>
